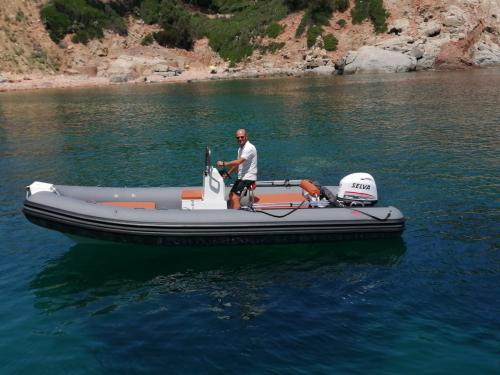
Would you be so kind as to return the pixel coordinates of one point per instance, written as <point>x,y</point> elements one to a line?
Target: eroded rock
<point>370,59</point>
<point>484,54</point>
<point>323,70</point>
<point>432,29</point>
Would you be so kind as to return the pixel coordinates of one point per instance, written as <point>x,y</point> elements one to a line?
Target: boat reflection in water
<point>235,276</point>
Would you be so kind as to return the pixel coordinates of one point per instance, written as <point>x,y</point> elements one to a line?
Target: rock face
<point>370,59</point>
<point>421,35</point>
<point>485,54</point>
<point>128,68</point>
<point>315,58</point>
<point>458,54</point>
<point>323,70</point>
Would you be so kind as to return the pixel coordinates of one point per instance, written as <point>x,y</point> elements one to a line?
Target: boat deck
<point>261,201</point>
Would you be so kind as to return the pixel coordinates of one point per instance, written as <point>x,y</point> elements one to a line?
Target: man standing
<point>246,163</point>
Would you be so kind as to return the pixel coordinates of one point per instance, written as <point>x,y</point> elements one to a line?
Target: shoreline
<point>27,82</point>
<point>16,83</point>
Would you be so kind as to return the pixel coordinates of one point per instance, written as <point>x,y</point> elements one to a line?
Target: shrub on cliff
<point>312,35</point>
<point>177,26</point>
<point>147,40</point>
<point>341,5</point>
<point>330,42</point>
<point>149,11</point>
<point>212,5</point>
<point>274,30</point>
<point>177,34</point>
<point>317,14</point>
<point>236,37</point>
<point>372,9</point>
<point>271,47</point>
<point>58,24</point>
<point>85,18</point>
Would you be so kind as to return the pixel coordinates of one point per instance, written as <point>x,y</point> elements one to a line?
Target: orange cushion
<point>146,205</point>
<point>279,201</point>
<point>192,194</point>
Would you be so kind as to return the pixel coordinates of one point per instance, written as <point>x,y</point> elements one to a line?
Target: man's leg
<point>234,200</point>
<point>235,193</point>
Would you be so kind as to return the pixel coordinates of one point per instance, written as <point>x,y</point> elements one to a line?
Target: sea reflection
<point>234,279</point>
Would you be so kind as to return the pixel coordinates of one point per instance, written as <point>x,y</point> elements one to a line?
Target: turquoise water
<point>426,303</point>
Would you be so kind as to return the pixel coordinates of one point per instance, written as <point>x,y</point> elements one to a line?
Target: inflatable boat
<point>282,211</point>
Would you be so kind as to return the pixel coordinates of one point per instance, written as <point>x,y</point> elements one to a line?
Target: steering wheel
<point>223,172</point>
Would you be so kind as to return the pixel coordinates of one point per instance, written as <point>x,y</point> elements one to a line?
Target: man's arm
<point>233,164</point>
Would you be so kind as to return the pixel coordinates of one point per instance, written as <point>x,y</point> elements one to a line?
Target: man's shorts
<point>240,185</point>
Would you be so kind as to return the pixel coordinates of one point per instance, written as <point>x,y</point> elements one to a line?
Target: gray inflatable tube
<point>155,216</point>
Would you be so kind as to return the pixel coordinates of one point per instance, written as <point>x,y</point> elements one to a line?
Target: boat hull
<point>75,213</point>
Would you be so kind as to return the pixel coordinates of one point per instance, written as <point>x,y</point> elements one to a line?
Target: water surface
<point>428,302</point>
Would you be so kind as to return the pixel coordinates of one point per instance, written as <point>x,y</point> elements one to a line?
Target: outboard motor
<point>357,189</point>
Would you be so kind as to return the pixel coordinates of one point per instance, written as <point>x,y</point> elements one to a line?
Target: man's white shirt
<point>248,169</point>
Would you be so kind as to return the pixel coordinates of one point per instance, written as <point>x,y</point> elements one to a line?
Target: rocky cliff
<point>422,34</point>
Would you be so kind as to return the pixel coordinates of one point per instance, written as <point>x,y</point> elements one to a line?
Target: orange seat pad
<point>279,198</point>
<point>146,205</point>
<point>192,194</point>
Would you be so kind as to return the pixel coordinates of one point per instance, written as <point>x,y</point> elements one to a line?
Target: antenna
<point>208,161</point>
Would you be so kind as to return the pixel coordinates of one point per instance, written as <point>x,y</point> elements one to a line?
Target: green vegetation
<point>11,35</point>
<point>341,5</point>
<point>85,18</point>
<point>330,42</point>
<point>147,40</point>
<point>234,35</point>
<point>39,55</point>
<point>274,30</point>
<point>271,47</point>
<point>312,35</point>
<point>18,50</point>
<point>372,9</point>
<point>20,15</point>
<point>341,23</point>
<point>317,14</point>
<point>150,11</point>
<point>176,23</point>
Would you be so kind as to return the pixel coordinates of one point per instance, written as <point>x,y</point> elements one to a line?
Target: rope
<point>373,217</point>
<point>278,216</point>
<point>300,205</point>
<point>251,209</point>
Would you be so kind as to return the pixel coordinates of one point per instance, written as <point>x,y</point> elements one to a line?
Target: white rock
<point>126,67</point>
<point>432,28</point>
<point>454,17</point>
<point>370,59</point>
<point>403,44</point>
<point>323,70</point>
<point>430,51</point>
<point>417,53</point>
<point>486,54</point>
<point>161,68</point>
